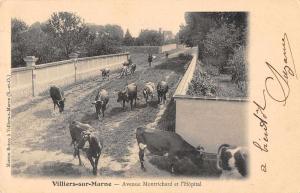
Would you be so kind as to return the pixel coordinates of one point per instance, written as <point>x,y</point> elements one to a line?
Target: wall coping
<point>230,99</point>
<point>148,46</point>
<point>188,75</point>
<point>65,61</point>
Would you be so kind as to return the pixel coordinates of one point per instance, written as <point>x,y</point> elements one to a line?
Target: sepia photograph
<point>99,97</point>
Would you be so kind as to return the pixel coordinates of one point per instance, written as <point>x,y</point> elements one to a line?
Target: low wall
<point>31,81</point>
<point>168,47</point>
<point>187,77</point>
<point>149,49</point>
<point>211,122</point>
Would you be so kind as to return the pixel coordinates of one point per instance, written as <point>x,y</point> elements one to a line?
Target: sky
<point>129,14</point>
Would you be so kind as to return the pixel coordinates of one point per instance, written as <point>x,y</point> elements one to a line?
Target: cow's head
<point>230,157</point>
<point>61,104</point>
<point>98,105</point>
<point>199,155</point>
<point>122,96</point>
<point>145,93</point>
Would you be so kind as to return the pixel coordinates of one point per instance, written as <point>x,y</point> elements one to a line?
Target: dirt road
<point>41,139</point>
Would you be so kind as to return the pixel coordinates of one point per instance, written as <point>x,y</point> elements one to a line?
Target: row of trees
<point>221,38</point>
<point>64,33</point>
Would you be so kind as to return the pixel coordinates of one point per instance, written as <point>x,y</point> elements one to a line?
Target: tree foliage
<point>62,34</point>
<point>150,38</point>
<point>220,38</point>
<point>128,39</point>
<point>68,31</point>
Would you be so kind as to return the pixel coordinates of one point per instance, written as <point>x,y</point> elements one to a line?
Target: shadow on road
<point>54,168</point>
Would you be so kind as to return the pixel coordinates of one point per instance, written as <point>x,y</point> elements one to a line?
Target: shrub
<point>238,61</point>
<point>201,85</point>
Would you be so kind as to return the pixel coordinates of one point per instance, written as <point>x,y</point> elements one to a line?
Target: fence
<point>35,79</point>
<point>211,121</point>
<point>149,49</point>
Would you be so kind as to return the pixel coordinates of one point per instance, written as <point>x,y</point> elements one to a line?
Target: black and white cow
<point>148,90</point>
<point>164,143</point>
<point>100,102</point>
<point>105,73</point>
<point>58,98</point>
<point>232,161</point>
<point>81,134</point>
<point>128,94</point>
<point>162,89</point>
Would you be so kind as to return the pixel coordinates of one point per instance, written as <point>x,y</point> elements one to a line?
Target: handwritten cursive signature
<point>277,82</point>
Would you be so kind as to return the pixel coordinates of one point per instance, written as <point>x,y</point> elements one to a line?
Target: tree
<point>220,42</point>
<point>128,39</point>
<point>150,38</point>
<point>68,31</point>
<point>18,48</point>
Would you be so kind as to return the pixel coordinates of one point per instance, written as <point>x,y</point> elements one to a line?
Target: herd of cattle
<point>230,160</point>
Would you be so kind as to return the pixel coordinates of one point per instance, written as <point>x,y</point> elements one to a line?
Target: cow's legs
<point>93,164</point>
<point>78,154</point>
<point>135,101</point>
<point>96,165</point>
<point>123,104</point>
<point>131,102</point>
<point>165,98</point>
<point>141,156</point>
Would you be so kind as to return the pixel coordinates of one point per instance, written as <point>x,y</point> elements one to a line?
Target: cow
<point>165,143</point>
<point>58,98</point>
<point>128,94</point>
<point>148,90</point>
<point>232,161</point>
<point>124,71</point>
<point>82,133</point>
<point>132,68</point>
<point>100,102</point>
<point>105,73</point>
<point>162,89</point>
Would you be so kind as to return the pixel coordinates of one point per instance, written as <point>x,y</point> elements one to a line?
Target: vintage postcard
<point>149,96</point>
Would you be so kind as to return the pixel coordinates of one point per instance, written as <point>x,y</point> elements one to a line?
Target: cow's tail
<point>219,153</point>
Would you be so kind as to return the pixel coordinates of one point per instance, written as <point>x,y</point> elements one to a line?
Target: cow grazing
<point>132,68</point>
<point>232,161</point>
<point>100,102</point>
<point>82,133</point>
<point>162,89</point>
<point>128,94</point>
<point>164,143</point>
<point>58,98</point>
<point>105,73</point>
<point>148,90</point>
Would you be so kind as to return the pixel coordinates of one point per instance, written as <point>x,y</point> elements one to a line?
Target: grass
<point>221,83</point>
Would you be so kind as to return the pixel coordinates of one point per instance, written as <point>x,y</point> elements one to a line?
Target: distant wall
<point>29,81</point>
<point>149,49</point>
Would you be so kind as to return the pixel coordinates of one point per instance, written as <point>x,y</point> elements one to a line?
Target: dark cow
<point>232,161</point>
<point>162,89</point>
<point>164,143</point>
<point>82,133</point>
<point>105,73</point>
<point>128,94</point>
<point>148,90</point>
<point>100,102</point>
<point>58,98</point>
<point>132,68</point>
